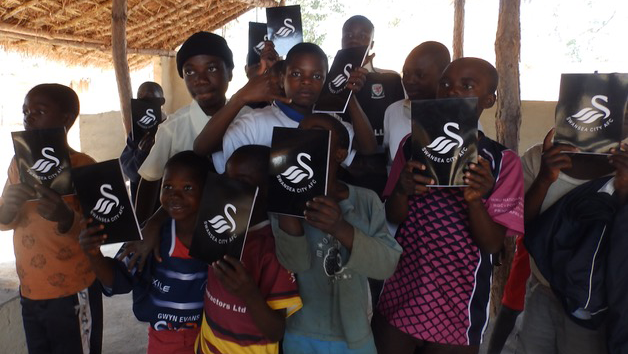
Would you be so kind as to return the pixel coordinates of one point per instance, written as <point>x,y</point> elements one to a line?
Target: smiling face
<point>303,80</point>
<point>469,77</point>
<point>181,193</point>
<point>41,112</point>
<point>207,79</point>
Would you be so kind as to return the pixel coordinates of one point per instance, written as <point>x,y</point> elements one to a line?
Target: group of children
<point>313,284</point>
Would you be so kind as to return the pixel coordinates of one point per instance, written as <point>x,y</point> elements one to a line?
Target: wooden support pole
<point>458,28</point>
<point>508,115</point>
<point>120,63</point>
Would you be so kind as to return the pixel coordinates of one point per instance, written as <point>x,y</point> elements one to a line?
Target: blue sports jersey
<point>167,294</point>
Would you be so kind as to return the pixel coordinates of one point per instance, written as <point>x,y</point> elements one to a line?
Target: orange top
<point>50,265</point>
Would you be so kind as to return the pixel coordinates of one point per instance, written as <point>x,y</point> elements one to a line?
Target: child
<point>258,283</point>
<point>342,241</point>
<point>421,71</point>
<point>381,88</point>
<point>167,294</point>
<point>550,175</point>
<point>205,63</point>
<point>135,153</point>
<point>305,68</point>
<point>438,297</point>
<point>61,302</point>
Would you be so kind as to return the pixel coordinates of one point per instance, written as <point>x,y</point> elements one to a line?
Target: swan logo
<point>49,161</point>
<point>286,30</point>
<point>585,118</point>
<point>148,120</point>
<point>222,223</point>
<point>107,201</point>
<point>296,174</point>
<point>46,168</point>
<point>337,84</point>
<point>443,144</point>
<point>589,115</point>
<point>260,46</point>
<point>103,210</point>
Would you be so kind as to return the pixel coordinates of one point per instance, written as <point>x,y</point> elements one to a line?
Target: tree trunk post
<point>458,28</point>
<point>120,63</point>
<point>508,114</point>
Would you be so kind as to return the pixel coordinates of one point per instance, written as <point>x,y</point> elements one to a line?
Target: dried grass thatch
<point>79,31</point>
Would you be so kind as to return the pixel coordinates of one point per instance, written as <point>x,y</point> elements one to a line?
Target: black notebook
<point>590,111</point>
<point>146,117</point>
<point>444,138</point>
<point>258,33</point>
<point>335,95</point>
<point>104,198</point>
<point>299,161</point>
<point>284,27</point>
<point>43,157</point>
<point>223,218</point>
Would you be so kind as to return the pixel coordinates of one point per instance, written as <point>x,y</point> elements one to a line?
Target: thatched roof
<point>79,31</point>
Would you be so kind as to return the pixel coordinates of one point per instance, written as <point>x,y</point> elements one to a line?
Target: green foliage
<point>313,13</point>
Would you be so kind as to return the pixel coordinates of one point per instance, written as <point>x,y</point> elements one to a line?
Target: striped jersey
<point>227,327</point>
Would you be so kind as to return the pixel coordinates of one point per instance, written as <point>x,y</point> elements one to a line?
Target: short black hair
<point>66,99</point>
<point>199,165</point>
<point>256,155</point>
<point>487,68</point>
<point>360,18</point>
<point>150,85</point>
<point>305,48</point>
<point>337,129</point>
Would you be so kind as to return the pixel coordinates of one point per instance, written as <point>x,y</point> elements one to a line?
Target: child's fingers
<point>421,179</point>
<point>411,165</point>
<point>324,201</point>
<point>224,266</point>
<point>547,141</point>
<point>234,263</point>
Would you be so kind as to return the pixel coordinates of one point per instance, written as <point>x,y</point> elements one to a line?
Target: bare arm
<point>90,242</point>
<point>258,89</point>
<point>364,139</point>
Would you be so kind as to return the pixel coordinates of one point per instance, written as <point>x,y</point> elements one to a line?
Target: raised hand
<point>480,180</point>
<point>619,160</point>
<point>553,159</point>
<point>52,207</point>
<point>14,197</point>
<point>357,79</point>
<point>411,183</point>
<point>234,277</point>
<point>90,240</point>
<point>147,142</point>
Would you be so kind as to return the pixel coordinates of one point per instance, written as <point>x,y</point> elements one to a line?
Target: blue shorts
<point>297,344</point>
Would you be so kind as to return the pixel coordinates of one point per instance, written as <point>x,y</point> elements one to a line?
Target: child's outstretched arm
<point>364,142</point>
<point>237,281</point>
<point>90,242</point>
<point>409,183</point>
<point>488,234</point>
<point>13,198</point>
<point>552,162</point>
<point>258,89</point>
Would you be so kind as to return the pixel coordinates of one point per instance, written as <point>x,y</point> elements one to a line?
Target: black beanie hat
<point>204,43</point>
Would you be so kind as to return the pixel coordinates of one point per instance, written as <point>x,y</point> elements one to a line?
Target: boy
<point>305,68</point>
<point>421,71</point>
<point>381,88</point>
<point>550,175</point>
<point>258,283</point>
<point>437,300</point>
<point>168,294</point>
<point>342,241</point>
<point>135,153</point>
<point>205,63</point>
<point>61,302</point>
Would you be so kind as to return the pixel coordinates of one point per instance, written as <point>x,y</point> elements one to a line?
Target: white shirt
<point>397,124</point>
<point>256,128</point>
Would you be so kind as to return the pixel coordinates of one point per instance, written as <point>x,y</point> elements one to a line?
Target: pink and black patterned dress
<point>440,289</point>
